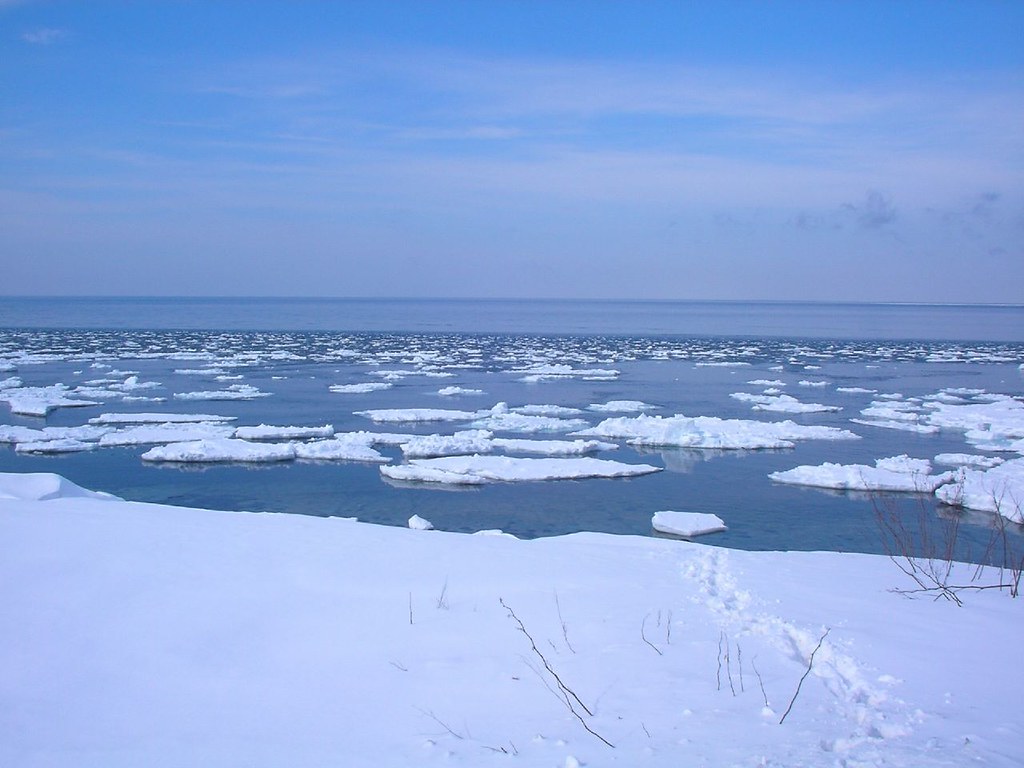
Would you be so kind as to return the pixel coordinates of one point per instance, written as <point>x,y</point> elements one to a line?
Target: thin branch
<point>644,637</point>
<point>807,671</point>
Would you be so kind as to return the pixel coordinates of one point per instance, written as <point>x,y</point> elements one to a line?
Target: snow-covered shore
<point>138,634</point>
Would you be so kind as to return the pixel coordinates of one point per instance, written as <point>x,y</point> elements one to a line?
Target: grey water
<point>681,357</point>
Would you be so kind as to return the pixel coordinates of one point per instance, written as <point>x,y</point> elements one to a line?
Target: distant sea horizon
<point>758,318</point>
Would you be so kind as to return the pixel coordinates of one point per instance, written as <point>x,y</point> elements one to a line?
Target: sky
<point>850,151</point>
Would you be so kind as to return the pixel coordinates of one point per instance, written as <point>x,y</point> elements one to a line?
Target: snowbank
<point>137,634</point>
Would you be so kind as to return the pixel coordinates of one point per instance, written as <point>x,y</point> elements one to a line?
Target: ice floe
<point>896,473</point>
<point>354,446</point>
<point>483,441</point>
<point>482,469</point>
<point>687,524</point>
<point>157,418</point>
<point>232,392</point>
<point>359,389</point>
<point>39,401</point>
<point>155,434</point>
<point>452,391</point>
<point>999,490</point>
<point>220,450</point>
<point>416,415</point>
<point>782,403</point>
<point>621,406</point>
<point>267,432</point>
<point>711,432</point>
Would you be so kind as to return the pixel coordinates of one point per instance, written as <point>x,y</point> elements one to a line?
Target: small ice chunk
<point>418,523</point>
<point>451,391</point>
<point>157,418</point>
<point>687,524</point>
<point>621,406</point>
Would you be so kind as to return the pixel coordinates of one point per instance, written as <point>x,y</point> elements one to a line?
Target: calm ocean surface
<point>681,357</point>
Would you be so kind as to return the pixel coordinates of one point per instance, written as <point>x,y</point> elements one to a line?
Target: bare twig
<point>759,681</point>
<point>807,671</point>
<point>440,722</point>
<point>565,629</point>
<point>568,695</point>
<point>644,637</point>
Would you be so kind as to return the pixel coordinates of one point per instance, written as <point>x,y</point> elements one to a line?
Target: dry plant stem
<point>568,695</point>
<point>759,680</point>
<point>810,663</point>
<point>565,629</point>
<point>440,722</point>
<point>644,637</point>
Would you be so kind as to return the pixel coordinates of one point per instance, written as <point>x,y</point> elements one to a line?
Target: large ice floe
<point>39,401</point>
<point>461,470</point>
<point>999,490</point>
<point>896,473</point>
<point>483,441</point>
<point>224,449</point>
<point>711,432</point>
<point>138,635</point>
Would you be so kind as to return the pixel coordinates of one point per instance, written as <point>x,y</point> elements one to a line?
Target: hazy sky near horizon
<point>730,150</point>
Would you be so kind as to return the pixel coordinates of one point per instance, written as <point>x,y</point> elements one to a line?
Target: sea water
<point>682,358</point>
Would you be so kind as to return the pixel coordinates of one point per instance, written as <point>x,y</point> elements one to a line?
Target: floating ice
<point>359,389</point>
<point>504,421</point>
<point>233,392</point>
<point>999,490</point>
<point>352,446</point>
<point>621,406</point>
<point>465,442</point>
<point>968,460</point>
<point>220,450</point>
<point>711,432</point>
<point>451,391</point>
<point>157,418</point>
<point>897,473</point>
<point>61,445</point>
<point>39,401</point>
<point>549,372</point>
<point>856,390</point>
<point>782,403</point>
<point>904,426</point>
<point>687,524</point>
<point>154,434</point>
<point>267,432</point>
<point>540,410</point>
<point>477,469</point>
<point>414,415</point>
<point>418,523</point>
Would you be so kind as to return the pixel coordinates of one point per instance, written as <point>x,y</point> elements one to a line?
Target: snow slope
<point>137,634</point>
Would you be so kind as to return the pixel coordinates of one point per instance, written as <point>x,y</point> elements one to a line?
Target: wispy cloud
<point>44,36</point>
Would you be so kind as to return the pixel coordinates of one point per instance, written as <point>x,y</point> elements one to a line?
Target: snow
<point>219,450</point>
<point>711,432</point>
<point>897,473</point>
<point>474,469</point>
<point>687,524</point>
<point>504,421</point>
<point>554,372</point>
<point>137,634</point>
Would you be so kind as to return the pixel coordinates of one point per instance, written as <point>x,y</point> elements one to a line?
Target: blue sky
<point>730,150</point>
